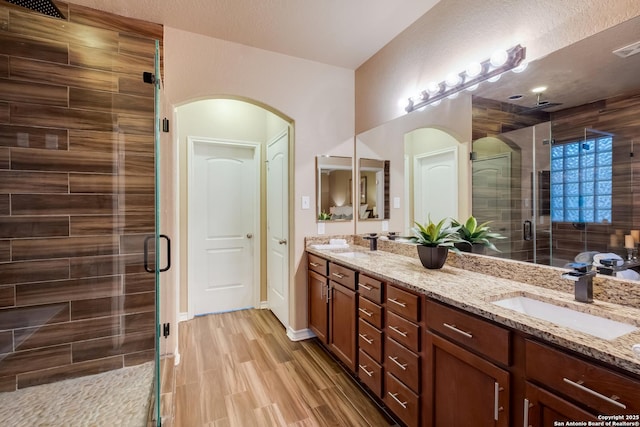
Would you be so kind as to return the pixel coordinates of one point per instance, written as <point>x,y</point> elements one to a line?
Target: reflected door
<point>436,186</point>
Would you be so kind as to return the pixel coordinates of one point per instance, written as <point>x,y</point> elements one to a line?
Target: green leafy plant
<point>444,233</point>
<point>324,216</point>
<point>472,232</point>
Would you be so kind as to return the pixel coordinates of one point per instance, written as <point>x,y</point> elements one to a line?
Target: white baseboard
<point>183,317</point>
<point>300,335</point>
<point>263,305</point>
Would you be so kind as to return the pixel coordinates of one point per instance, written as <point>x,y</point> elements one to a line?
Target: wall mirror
<point>374,189</point>
<point>591,92</point>
<point>334,188</point>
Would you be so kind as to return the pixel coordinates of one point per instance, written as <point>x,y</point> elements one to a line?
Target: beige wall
<point>319,98</point>
<point>456,32</point>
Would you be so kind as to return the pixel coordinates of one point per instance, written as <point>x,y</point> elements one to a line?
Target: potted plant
<point>434,241</point>
<point>475,237</point>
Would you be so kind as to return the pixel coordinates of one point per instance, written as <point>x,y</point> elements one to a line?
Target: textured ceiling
<point>344,33</point>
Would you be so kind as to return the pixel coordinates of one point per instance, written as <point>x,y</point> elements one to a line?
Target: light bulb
<point>433,88</point>
<point>454,95</point>
<point>499,58</point>
<point>494,78</point>
<point>520,68</point>
<point>474,87</point>
<point>473,70</point>
<point>453,80</point>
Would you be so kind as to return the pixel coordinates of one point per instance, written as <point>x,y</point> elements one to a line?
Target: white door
<point>436,186</point>
<point>223,211</point>
<point>278,227</point>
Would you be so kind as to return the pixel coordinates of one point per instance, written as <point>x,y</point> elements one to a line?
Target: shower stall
<point>78,210</point>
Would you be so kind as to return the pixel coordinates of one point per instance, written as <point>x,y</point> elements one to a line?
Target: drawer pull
<point>394,397</point>
<point>368,313</point>
<point>398,331</point>
<point>364,337</point>
<point>394,359</point>
<point>395,301</point>
<point>365,287</point>
<point>525,418</point>
<point>594,393</point>
<point>496,401</point>
<point>364,368</point>
<point>461,332</point>
<point>338,275</point>
<point>314,264</point>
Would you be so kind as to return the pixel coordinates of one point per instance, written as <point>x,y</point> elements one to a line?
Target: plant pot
<point>432,257</point>
<point>476,248</point>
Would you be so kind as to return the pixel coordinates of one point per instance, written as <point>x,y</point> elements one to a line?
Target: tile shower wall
<point>76,194</point>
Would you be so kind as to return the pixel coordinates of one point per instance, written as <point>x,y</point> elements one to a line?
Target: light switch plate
<point>306,202</point>
<point>385,225</point>
<point>396,203</point>
<point>321,228</point>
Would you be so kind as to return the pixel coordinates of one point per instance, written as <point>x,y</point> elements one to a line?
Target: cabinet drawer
<point>403,364</point>
<point>370,312</point>
<point>402,401</point>
<point>317,264</point>
<point>403,331</point>
<point>370,340</point>
<point>370,288</point>
<point>342,275</point>
<point>404,303</point>
<point>485,338</point>
<point>587,383</point>
<point>370,373</point>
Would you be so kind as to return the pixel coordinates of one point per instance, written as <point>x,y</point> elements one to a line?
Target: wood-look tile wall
<point>76,194</point>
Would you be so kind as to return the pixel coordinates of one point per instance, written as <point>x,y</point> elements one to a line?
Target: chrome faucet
<point>582,275</point>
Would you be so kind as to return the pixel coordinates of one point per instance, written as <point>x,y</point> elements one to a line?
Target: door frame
<point>257,237</point>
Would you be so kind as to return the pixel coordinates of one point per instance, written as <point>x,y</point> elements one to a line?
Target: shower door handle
<point>146,254</point>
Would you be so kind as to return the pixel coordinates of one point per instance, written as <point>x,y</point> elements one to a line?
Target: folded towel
<point>601,256</point>
<point>586,257</point>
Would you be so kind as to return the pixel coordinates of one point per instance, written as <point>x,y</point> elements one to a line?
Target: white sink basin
<point>353,254</point>
<point>584,322</point>
<point>330,246</point>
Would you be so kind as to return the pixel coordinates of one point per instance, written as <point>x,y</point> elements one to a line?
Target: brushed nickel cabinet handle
<point>460,331</point>
<point>364,337</point>
<point>395,301</point>
<point>578,385</point>
<point>364,368</point>
<point>367,313</point>
<point>398,331</point>
<point>338,275</point>
<point>314,264</point>
<point>365,287</point>
<point>496,401</point>
<point>394,397</point>
<point>394,359</point>
<point>525,418</point>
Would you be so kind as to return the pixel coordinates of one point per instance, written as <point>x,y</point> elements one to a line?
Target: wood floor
<point>239,369</point>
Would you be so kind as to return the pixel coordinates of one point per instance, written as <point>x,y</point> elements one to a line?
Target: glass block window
<point>581,184</point>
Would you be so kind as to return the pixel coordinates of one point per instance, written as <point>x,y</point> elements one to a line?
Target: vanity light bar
<point>454,83</point>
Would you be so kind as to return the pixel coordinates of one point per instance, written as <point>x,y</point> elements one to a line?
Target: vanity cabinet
<point>370,333</point>
<point>570,386</point>
<point>463,385</point>
<point>402,347</point>
<point>332,307</point>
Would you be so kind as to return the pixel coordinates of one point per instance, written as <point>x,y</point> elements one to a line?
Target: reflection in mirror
<point>334,188</point>
<point>374,189</point>
<point>431,157</point>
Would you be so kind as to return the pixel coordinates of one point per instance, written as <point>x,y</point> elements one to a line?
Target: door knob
<point>249,235</point>
<point>283,241</point>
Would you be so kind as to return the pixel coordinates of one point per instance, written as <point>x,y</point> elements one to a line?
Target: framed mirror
<point>374,189</point>
<point>334,188</point>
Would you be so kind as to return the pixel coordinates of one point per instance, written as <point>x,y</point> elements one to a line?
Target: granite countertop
<point>474,292</point>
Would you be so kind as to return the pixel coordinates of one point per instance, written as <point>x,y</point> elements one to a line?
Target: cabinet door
<point>545,409</point>
<point>342,324</point>
<point>318,308</point>
<point>463,389</point>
